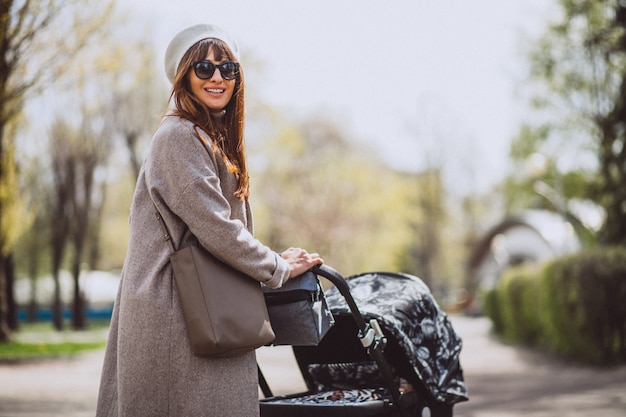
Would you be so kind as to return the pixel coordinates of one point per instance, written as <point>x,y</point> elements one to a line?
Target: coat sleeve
<point>185,177</point>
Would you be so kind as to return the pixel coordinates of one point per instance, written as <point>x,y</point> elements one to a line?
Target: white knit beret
<point>189,37</point>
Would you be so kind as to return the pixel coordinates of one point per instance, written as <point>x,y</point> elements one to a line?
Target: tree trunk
<point>5,331</point>
<point>79,320</point>
<point>613,165</point>
<point>12,319</point>
<point>57,306</point>
<point>78,303</point>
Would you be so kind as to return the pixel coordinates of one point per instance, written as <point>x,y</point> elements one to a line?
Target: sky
<point>423,82</point>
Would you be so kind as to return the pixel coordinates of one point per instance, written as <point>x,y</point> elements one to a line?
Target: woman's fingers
<point>300,260</point>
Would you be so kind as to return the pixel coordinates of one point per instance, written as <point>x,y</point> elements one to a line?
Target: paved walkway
<point>503,381</point>
<point>506,381</point>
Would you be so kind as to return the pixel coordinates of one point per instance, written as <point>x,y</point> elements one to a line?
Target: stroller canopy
<point>409,314</point>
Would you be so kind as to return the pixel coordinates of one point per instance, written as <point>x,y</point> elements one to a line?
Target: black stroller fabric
<point>409,314</point>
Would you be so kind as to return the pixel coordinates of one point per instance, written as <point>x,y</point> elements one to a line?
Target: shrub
<point>517,295</point>
<point>491,308</point>
<point>584,299</point>
<point>573,305</point>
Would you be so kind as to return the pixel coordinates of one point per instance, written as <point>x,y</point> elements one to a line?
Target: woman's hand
<point>300,261</point>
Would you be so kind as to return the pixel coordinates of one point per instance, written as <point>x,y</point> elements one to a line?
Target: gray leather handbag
<point>224,309</point>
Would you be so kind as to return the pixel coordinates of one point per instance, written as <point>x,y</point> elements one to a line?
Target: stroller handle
<point>341,284</point>
<point>371,338</point>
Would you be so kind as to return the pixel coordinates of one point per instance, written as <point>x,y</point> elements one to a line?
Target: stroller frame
<point>374,341</point>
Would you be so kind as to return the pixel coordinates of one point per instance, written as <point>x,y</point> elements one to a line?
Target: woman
<point>196,176</point>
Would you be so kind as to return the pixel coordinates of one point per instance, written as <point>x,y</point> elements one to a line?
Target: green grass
<point>42,341</point>
<point>16,351</point>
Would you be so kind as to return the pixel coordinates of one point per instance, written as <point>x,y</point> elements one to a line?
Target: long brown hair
<point>228,135</point>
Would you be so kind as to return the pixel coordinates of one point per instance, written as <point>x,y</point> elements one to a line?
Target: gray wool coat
<point>149,369</point>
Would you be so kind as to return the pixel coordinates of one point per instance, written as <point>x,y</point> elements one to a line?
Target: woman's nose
<point>217,75</point>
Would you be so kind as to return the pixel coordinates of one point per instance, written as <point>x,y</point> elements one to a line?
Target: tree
<point>13,224</point>
<point>578,74</point>
<point>33,35</point>
<point>76,155</point>
<point>63,167</point>
<point>424,253</point>
<point>307,194</point>
<point>122,92</point>
<point>31,252</point>
<point>315,188</point>
<point>114,104</point>
<point>92,150</point>
<point>135,108</point>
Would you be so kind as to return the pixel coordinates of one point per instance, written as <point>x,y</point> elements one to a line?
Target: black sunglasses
<point>204,69</point>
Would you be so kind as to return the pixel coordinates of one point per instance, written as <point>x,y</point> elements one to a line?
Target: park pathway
<point>503,381</point>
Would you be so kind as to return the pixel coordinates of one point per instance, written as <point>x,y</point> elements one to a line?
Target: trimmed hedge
<point>574,306</point>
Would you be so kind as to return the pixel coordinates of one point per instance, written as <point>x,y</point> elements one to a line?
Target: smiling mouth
<point>214,90</point>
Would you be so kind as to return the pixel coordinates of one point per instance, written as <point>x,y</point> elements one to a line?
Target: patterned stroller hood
<point>407,312</point>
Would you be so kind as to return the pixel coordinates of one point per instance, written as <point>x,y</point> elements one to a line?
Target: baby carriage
<point>391,353</point>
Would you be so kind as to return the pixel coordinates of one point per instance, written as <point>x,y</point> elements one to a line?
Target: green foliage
<point>587,312</point>
<point>114,228</point>
<point>314,188</point>
<point>578,85</point>
<point>425,219</point>
<point>493,310</point>
<point>561,301</point>
<point>14,218</point>
<point>527,141</point>
<point>519,194</point>
<point>518,290</point>
<point>34,35</point>
<point>573,306</point>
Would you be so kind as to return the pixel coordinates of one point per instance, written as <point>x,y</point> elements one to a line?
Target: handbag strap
<point>166,232</point>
